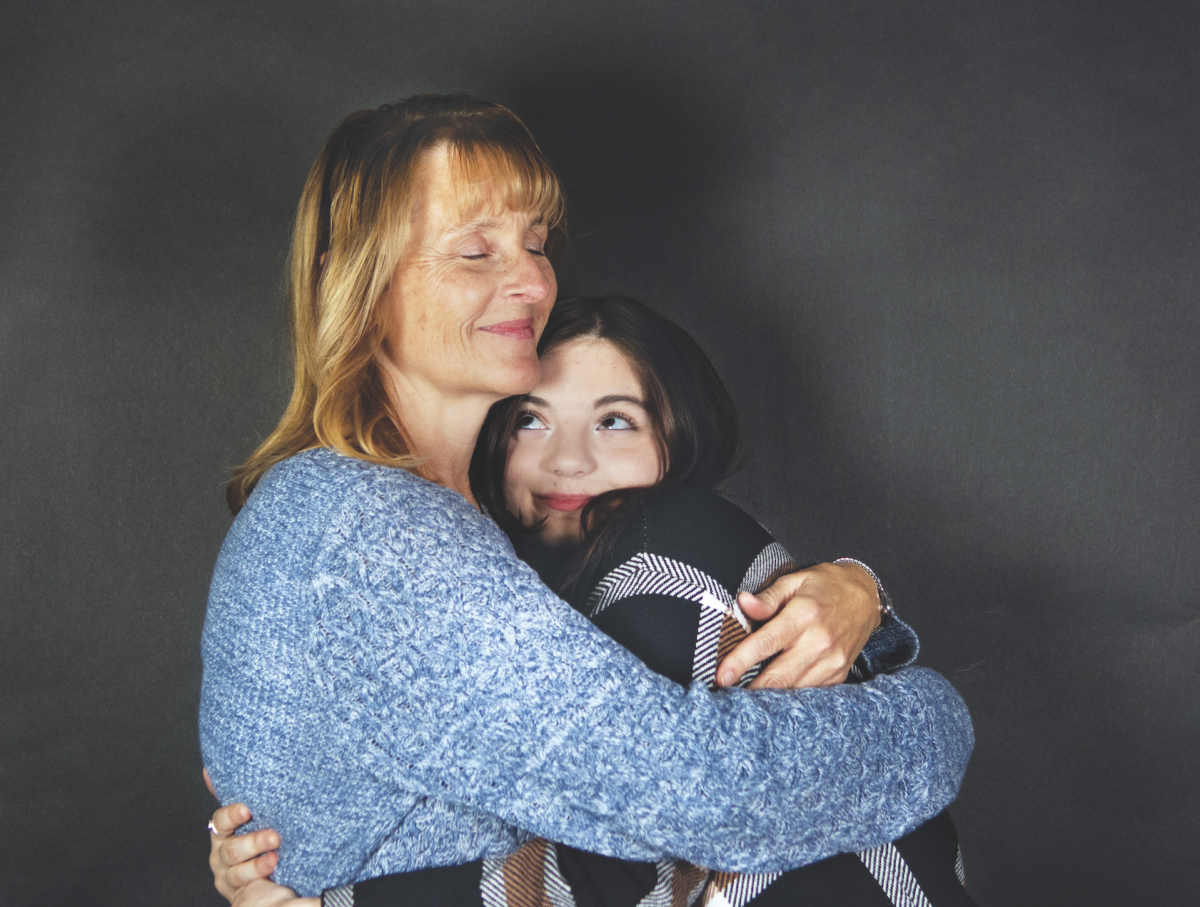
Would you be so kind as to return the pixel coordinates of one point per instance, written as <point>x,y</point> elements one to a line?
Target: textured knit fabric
<point>391,689</point>
<point>667,592</point>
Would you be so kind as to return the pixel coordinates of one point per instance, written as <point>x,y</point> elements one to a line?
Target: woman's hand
<point>238,860</point>
<point>818,620</point>
<point>262,893</point>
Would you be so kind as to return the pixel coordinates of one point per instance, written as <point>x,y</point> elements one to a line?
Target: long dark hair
<point>692,416</point>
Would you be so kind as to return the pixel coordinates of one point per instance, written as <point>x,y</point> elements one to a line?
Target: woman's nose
<point>530,278</point>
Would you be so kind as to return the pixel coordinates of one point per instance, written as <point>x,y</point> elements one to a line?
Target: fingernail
<point>725,678</point>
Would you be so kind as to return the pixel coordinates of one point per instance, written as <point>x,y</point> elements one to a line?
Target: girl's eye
<point>530,421</point>
<point>616,422</point>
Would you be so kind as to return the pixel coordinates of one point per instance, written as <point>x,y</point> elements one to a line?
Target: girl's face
<point>584,431</point>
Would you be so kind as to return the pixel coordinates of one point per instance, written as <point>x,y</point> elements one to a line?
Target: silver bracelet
<point>886,612</point>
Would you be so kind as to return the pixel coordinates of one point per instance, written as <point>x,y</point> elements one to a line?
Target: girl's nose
<point>571,457</point>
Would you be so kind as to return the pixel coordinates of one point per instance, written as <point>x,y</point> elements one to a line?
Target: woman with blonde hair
<point>385,683</point>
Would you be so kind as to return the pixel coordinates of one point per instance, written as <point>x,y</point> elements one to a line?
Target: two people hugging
<point>483,632</point>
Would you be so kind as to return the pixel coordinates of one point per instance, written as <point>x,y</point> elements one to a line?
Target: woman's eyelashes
<point>482,254</point>
<point>482,246</point>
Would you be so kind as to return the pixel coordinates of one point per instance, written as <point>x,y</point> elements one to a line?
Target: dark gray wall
<point>945,255</point>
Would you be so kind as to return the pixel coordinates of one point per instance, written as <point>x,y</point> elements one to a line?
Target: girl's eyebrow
<point>618,398</point>
<point>536,401</point>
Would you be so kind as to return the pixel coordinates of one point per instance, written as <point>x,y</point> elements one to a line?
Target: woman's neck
<point>441,427</point>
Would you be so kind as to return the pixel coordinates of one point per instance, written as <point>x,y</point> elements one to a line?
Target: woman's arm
<point>664,628</point>
<point>516,706</point>
<point>459,679</point>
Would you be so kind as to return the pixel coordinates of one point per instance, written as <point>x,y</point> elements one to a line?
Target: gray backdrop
<point>945,255</point>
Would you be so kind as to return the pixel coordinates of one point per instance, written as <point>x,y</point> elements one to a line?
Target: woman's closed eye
<point>616,422</point>
<point>476,250</point>
<point>535,250</point>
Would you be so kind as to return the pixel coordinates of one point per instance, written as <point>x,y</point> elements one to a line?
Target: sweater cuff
<point>889,649</point>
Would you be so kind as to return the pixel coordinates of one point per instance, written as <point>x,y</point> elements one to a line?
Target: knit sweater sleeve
<point>464,679</point>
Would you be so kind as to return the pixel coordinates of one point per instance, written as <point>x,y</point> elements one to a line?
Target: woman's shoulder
<point>335,478</point>
<point>352,523</point>
<point>358,500</point>
<point>334,469</point>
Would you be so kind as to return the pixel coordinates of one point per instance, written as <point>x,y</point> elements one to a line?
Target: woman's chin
<point>520,377</point>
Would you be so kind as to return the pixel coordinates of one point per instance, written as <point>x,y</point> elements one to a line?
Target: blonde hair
<point>351,228</point>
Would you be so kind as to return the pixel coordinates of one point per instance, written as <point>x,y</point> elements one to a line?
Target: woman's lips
<point>518,330</point>
<point>565,502</point>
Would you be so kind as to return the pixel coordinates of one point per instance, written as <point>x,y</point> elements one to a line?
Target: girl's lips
<point>518,330</point>
<point>565,502</point>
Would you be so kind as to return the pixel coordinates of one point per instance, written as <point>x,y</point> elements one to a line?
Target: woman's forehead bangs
<point>494,177</point>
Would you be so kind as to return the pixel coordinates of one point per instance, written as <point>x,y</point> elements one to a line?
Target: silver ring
<point>212,828</point>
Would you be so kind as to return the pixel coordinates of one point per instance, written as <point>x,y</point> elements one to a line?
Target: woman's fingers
<point>227,819</point>
<point>268,894</point>
<point>242,859</point>
<point>822,618</point>
<point>238,852</point>
<point>792,670</point>
<point>238,860</point>
<point>242,873</point>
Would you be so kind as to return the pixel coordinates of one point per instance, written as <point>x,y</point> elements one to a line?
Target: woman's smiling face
<point>583,431</point>
<point>467,303</point>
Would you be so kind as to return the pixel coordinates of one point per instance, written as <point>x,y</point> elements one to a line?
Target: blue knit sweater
<point>387,685</point>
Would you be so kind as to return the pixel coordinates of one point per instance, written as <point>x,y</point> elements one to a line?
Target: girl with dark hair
<point>687,428</point>
<point>603,477</point>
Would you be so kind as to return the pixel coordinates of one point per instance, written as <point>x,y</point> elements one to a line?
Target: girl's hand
<point>817,621</point>
<point>262,893</point>
<point>238,860</point>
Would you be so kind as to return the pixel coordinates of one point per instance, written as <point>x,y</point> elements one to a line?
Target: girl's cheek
<point>637,466</point>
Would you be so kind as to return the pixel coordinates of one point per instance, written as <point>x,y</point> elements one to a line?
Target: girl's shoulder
<point>698,518</point>
<point>702,528</point>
